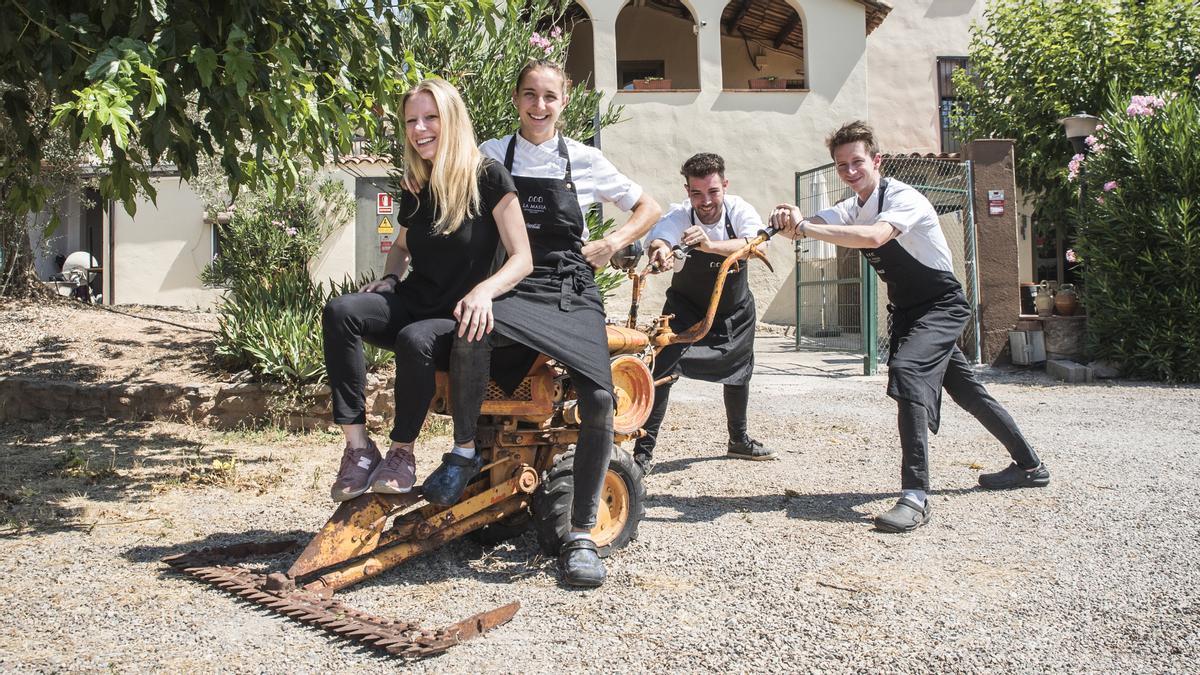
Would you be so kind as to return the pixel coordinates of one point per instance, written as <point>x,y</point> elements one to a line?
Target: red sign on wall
<point>383,204</point>
<point>385,245</point>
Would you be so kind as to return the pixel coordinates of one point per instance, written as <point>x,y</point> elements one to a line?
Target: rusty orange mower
<point>526,440</point>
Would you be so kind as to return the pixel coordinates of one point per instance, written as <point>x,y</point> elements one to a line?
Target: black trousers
<point>383,320</point>
<point>737,400</point>
<point>969,393</point>
<point>470,368</point>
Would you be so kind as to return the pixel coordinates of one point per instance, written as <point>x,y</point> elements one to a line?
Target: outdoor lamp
<point>1079,127</point>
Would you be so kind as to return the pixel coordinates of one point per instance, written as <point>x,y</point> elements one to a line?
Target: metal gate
<point>838,300</point>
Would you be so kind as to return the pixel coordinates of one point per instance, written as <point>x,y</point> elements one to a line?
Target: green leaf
<point>205,61</point>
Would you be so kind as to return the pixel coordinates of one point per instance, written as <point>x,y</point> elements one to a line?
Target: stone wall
<point>217,405</point>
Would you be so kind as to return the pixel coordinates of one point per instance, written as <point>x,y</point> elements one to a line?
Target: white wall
<point>902,72</point>
<point>158,255</point>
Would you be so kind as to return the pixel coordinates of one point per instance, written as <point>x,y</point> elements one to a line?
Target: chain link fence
<point>840,305</point>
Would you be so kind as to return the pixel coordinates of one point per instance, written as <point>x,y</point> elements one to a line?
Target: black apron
<point>556,310</point>
<point>726,354</point>
<point>927,313</point>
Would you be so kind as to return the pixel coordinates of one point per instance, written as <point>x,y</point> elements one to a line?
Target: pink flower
<point>1144,106</point>
<point>1100,200</point>
<point>1110,186</point>
<point>549,51</point>
<point>291,231</point>
<point>1070,255</point>
<point>1073,167</point>
<point>540,42</point>
<point>556,32</point>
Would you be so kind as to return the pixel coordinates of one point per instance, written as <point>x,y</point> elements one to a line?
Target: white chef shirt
<point>742,217</point>
<point>595,178</point>
<point>909,212</point>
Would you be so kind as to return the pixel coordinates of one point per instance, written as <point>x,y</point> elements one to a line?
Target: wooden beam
<point>787,29</point>
<point>738,15</point>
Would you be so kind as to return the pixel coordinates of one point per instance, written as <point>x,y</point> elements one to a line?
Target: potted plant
<point>652,83</point>
<point>770,82</point>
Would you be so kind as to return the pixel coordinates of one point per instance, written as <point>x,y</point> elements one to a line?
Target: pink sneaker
<point>354,475</point>
<point>397,474</point>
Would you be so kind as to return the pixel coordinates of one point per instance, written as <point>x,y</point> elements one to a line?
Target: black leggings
<point>470,368</point>
<point>737,399</point>
<point>970,394</point>
<point>383,320</point>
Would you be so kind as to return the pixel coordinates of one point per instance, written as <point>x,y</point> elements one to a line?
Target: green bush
<point>274,330</point>
<point>1139,244</point>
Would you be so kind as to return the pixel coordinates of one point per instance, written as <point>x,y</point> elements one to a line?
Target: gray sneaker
<point>906,516</point>
<point>354,475</point>
<point>749,449</point>
<point>1015,477</point>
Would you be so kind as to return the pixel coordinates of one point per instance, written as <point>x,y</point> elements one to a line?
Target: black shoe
<point>905,516</point>
<point>1015,477</point>
<point>749,449</point>
<point>447,482</point>
<point>580,565</point>
<point>644,460</point>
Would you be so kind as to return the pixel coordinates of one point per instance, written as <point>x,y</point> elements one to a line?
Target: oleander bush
<point>1139,243</point>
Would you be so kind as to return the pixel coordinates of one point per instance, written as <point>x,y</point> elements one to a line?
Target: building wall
<point>902,69</point>
<point>157,256</point>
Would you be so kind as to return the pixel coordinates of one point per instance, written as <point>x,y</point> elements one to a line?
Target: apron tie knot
<point>575,279</point>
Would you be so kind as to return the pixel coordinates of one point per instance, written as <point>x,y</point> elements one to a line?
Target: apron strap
<point>882,191</point>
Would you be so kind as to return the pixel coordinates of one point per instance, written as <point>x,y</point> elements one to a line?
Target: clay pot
<point>1065,300</point>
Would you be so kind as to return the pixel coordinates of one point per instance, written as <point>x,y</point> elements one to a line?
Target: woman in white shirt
<point>557,309</point>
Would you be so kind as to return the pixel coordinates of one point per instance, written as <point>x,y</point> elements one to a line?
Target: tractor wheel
<point>622,504</point>
<point>501,530</point>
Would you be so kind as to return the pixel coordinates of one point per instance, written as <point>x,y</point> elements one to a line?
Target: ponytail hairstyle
<point>538,64</point>
<point>452,176</point>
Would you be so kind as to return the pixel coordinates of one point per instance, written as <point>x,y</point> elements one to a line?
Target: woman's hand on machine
<point>474,314</point>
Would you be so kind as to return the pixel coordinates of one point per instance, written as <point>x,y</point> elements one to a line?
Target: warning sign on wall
<point>385,227</point>
<point>383,204</point>
<point>385,245</point>
<point>995,202</point>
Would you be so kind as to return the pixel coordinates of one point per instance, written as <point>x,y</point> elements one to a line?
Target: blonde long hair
<point>452,175</point>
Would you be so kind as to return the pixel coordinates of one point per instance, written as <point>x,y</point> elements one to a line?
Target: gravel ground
<point>739,566</point>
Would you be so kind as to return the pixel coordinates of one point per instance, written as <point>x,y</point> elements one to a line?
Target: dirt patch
<point>68,341</point>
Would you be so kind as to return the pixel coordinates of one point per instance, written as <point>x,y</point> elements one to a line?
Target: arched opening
<point>762,46</point>
<point>581,54</point>
<point>656,46</point>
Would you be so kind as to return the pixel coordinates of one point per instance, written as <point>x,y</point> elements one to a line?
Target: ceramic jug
<point>1065,300</point>
<point>1043,301</point>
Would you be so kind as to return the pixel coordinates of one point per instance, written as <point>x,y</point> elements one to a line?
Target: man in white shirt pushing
<point>897,230</point>
<point>715,224</point>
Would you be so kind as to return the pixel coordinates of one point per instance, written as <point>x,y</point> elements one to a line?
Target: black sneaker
<point>905,516</point>
<point>644,461</point>
<point>1015,477</point>
<point>750,449</point>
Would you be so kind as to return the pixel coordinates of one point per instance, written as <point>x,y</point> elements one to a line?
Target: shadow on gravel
<point>819,507</point>
<point>56,472</point>
<point>150,554</point>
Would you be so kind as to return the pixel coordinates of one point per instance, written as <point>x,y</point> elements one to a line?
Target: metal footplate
<point>279,593</point>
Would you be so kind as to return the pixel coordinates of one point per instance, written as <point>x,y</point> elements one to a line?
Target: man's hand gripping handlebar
<point>663,335</point>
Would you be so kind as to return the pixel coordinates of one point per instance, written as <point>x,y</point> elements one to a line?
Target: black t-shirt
<point>445,267</point>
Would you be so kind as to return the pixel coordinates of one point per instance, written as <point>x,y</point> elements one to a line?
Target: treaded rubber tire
<point>502,530</point>
<point>552,501</point>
